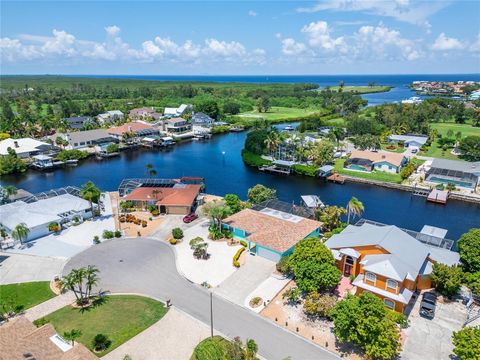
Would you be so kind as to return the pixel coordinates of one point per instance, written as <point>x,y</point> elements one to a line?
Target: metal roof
<point>457,166</point>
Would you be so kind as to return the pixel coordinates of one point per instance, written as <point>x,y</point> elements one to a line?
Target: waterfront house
<point>411,141</point>
<point>24,147</point>
<point>38,214</point>
<point>133,130</point>
<point>145,113</point>
<point>270,233</point>
<point>180,199</point>
<point>79,122</point>
<point>387,262</point>
<point>201,119</point>
<point>88,138</point>
<point>177,126</point>
<point>375,160</point>
<point>179,111</point>
<point>460,173</point>
<point>20,339</point>
<point>110,116</point>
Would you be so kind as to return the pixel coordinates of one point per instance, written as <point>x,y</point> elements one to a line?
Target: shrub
<point>307,170</point>
<point>54,226</point>
<point>239,252</point>
<point>96,239</point>
<point>243,243</point>
<point>214,233</point>
<point>118,233</point>
<point>292,295</point>
<point>177,233</point>
<point>40,322</point>
<point>467,343</point>
<point>107,234</point>
<point>155,212</point>
<point>447,279</point>
<point>283,265</point>
<point>320,305</point>
<point>256,301</point>
<point>173,241</point>
<point>101,342</point>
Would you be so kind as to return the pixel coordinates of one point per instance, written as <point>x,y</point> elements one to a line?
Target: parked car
<point>190,217</point>
<point>428,305</point>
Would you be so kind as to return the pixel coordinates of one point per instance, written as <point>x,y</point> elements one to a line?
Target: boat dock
<point>336,178</point>
<point>438,196</point>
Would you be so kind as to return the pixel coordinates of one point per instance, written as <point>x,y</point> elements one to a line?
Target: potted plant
<point>54,227</point>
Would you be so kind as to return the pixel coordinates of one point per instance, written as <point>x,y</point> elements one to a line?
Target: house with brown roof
<point>270,233</point>
<point>181,199</point>
<point>375,160</point>
<point>144,113</point>
<point>20,339</point>
<point>133,129</point>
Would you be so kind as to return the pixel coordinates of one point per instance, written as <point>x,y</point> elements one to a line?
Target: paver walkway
<point>246,279</point>
<point>50,306</point>
<point>171,338</point>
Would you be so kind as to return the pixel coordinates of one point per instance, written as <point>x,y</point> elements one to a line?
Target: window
<point>370,277</point>
<point>389,303</point>
<point>392,284</point>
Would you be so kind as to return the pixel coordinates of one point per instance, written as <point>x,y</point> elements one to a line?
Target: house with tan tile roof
<point>271,233</point>
<point>136,129</point>
<point>20,339</point>
<point>375,160</point>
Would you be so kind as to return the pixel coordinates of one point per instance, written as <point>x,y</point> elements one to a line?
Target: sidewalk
<point>49,306</point>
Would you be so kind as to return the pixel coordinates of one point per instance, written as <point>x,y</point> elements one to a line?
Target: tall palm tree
<point>355,208</point>
<point>72,335</point>
<point>69,282</point>
<point>78,276</point>
<point>91,278</point>
<point>20,232</point>
<point>272,141</point>
<point>91,193</point>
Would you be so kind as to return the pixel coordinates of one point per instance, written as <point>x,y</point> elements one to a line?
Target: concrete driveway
<point>246,279</point>
<point>432,339</point>
<point>147,266</point>
<point>15,268</point>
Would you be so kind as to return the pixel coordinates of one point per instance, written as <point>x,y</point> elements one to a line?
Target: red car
<point>190,217</point>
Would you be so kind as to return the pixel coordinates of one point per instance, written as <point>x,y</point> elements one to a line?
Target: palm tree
<point>78,277</point>
<point>251,350</point>
<point>91,277</point>
<point>272,141</point>
<point>355,208</point>
<point>150,170</point>
<point>72,335</point>
<point>91,193</point>
<point>68,282</point>
<point>20,232</point>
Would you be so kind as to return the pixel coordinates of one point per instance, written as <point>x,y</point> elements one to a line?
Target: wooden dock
<point>337,178</point>
<point>438,196</point>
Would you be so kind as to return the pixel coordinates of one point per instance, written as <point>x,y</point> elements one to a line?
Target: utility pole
<point>211,314</point>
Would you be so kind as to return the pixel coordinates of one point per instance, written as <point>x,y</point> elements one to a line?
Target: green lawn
<point>27,294</point>
<point>276,113</point>
<point>465,129</point>
<point>362,89</point>
<point>121,317</point>
<point>374,175</point>
<point>436,151</point>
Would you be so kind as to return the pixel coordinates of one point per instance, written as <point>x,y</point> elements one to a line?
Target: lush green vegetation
<point>467,343</point>
<point>11,164</point>
<point>362,89</point>
<point>219,348</point>
<point>26,294</point>
<point>374,175</point>
<point>252,159</point>
<point>73,154</point>
<point>119,317</point>
<point>275,113</point>
<point>307,170</point>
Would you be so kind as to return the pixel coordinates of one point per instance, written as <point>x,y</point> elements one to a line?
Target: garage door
<point>268,254</point>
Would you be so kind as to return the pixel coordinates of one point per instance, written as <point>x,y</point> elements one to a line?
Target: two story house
<point>176,126</point>
<point>387,261</point>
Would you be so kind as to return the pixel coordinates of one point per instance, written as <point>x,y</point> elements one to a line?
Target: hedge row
<point>239,252</point>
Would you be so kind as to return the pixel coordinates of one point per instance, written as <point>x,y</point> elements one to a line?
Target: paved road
<point>147,266</point>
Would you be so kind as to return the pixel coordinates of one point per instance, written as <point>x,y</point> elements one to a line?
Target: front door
<point>348,266</point>
<point>253,249</point>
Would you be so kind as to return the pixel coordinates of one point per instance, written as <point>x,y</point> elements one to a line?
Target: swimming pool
<point>441,180</point>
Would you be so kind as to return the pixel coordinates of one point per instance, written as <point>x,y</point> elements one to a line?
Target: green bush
<point>54,226</point>
<point>107,234</point>
<point>252,159</point>
<point>239,252</point>
<point>96,239</point>
<point>243,243</point>
<point>40,322</point>
<point>74,154</point>
<point>307,170</point>
<point>173,241</point>
<point>283,265</point>
<point>447,279</point>
<point>177,233</point>
<point>320,305</point>
<point>118,233</point>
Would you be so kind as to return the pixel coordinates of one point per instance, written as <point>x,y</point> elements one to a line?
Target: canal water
<point>220,162</point>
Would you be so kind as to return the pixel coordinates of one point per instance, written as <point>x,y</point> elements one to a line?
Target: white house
<point>39,214</point>
<point>177,111</point>
<point>25,147</point>
<point>109,116</point>
<point>409,140</point>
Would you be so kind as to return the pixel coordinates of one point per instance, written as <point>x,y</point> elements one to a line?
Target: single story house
<point>39,214</point>
<point>177,125</point>
<point>135,129</point>
<point>24,147</point>
<point>144,114</point>
<point>109,116</point>
<point>201,119</point>
<point>270,233</point>
<point>387,262</point>
<point>83,139</point>
<point>416,141</point>
<point>78,122</point>
<point>20,339</point>
<point>460,173</point>
<point>181,199</point>
<point>372,160</point>
<point>173,112</point>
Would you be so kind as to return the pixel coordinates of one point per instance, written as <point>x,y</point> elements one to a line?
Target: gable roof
<point>129,127</point>
<point>179,195</point>
<point>409,138</point>
<point>274,229</point>
<point>378,156</point>
<point>406,254</point>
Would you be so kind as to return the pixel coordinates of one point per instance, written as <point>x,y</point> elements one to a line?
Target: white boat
<point>288,128</point>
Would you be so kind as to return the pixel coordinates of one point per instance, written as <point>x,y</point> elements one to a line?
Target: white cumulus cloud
<point>444,43</point>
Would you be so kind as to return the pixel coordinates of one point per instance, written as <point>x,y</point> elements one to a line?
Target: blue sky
<point>240,37</point>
